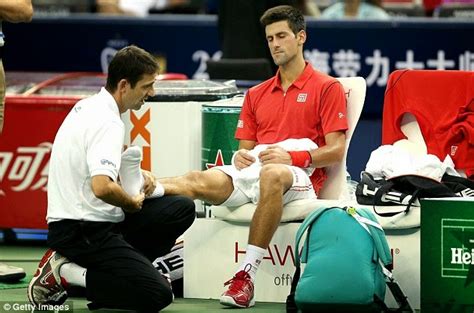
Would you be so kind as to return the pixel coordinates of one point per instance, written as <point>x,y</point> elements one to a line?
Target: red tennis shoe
<point>240,291</point>
<point>47,287</point>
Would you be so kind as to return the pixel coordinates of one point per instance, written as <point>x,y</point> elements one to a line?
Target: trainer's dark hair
<point>130,63</point>
<point>292,15</point>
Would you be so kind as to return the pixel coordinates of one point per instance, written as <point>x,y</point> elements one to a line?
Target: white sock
<point>159,191</point>
<point>73,274</point>
<point>131,175</point>
<point>253,258</point>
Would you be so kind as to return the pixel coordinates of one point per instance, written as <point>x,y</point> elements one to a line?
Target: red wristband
<point>300,158</point>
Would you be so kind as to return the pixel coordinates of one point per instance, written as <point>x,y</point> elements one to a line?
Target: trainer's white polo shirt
<point>88,143</point>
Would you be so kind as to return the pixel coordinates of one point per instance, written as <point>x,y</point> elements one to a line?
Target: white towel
<point>248,178</point>
<point>390,161</point>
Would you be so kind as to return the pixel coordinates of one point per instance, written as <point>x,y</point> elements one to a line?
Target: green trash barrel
<point>219,121</point>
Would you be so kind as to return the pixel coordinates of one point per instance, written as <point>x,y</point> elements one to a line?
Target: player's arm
<point>242,158</point>
<point>333,115</point>
<point>247,144</point>
<point>332,152</point>
<point>16,10</point>
<point>104,142</point>
<point>110,192</point>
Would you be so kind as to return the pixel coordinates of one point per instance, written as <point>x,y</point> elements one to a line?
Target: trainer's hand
<point>243,159</point>
<point>136,204</point>
<point>149,183</point>
<point>274,155</point>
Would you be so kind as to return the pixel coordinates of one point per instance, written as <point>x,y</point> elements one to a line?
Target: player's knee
<point>275,174</point>
<point>206,184</point>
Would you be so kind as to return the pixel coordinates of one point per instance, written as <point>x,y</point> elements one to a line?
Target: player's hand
<point>136,204</point>
<point>243,159</point>
<point>274,155</point>
<point>149,183</point>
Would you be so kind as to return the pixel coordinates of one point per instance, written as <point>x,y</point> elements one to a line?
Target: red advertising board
<point>31,123</point>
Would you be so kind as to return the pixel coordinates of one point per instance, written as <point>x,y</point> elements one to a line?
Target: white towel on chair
<point>390,161</point>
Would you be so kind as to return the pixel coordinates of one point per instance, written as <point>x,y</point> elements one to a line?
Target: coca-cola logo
<point>25,169</point>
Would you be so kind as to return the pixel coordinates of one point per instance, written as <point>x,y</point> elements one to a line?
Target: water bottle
<point>351,187</point>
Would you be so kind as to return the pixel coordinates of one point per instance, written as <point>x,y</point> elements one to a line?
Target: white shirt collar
<point>109,100</point>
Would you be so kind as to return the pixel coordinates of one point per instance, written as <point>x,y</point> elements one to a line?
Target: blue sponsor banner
<point>343,48</point>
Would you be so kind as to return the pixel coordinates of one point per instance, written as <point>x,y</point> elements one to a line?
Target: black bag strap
<point>399,296</point>
<point>290,299</point>
<point>384,188</point>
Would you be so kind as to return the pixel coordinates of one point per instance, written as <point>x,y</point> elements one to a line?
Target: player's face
<point>143,89</point>
<point>283,43</point>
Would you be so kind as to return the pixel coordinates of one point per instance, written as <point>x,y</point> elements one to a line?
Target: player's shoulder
<point>263,86</point>
<point>323,78</point>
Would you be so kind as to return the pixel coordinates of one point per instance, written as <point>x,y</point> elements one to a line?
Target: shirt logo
<point>107,162</point>
<point>240,124</point>
<point>454,149</point>
<point>341,115</point>
<point>302,97</point>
